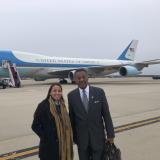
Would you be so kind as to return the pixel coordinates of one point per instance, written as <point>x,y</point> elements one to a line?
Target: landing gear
<point>73,82</point>
<point>63,81</point>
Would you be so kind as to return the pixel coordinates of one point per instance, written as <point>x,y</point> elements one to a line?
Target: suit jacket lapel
<point>91,97</point>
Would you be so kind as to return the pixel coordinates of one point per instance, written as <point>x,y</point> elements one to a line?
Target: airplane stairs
<point>13,73</point>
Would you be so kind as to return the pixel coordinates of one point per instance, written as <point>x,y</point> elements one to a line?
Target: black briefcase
<point>111,152</point>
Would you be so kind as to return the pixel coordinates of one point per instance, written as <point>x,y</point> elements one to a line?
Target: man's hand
<point>110,140</point>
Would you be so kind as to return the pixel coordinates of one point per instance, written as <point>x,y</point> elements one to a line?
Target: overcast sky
<point>81,28</point>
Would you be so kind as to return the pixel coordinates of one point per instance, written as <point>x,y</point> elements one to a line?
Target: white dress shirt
<point>86,91</point>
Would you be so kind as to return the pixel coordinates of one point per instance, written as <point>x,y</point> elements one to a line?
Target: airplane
<point>41,67</point>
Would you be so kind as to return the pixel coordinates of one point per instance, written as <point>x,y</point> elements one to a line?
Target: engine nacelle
<point>41,75</point>
<point>71,75</point>
<point>128,71</point>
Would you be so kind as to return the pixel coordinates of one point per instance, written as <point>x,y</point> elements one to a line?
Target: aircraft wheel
<point>73,82</point>
<point>63,81</point>
<point>4,87</point>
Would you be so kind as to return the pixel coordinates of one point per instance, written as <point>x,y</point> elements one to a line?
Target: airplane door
<point>5,63</point>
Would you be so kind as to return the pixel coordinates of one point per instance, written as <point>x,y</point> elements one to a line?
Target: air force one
<point>41,67</point>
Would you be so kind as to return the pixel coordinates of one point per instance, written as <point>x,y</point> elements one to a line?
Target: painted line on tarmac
<point>28,152</point>
<point>20,154</point>
<point>136,124</point>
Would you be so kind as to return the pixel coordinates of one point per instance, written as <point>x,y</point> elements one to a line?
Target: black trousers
<point>90,154</point>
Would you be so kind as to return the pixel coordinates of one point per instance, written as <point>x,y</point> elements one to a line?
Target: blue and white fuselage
<point>41,67</point>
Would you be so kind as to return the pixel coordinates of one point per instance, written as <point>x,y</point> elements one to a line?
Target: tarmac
<point>134,106</point>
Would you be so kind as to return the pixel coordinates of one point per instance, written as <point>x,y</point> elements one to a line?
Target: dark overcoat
<point>44,126</point>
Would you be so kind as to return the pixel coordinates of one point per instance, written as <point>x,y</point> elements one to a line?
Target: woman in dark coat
<point>51,123</point>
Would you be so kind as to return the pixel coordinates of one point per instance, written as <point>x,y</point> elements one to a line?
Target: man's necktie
<point>85,100</point>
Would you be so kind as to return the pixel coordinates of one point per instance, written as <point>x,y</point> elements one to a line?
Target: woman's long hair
<point>50,88</point>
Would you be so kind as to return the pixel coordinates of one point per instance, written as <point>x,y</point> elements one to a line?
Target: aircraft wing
<point>108,69</point>
<point>92,71</point>
<point>154,61</point>
<point>61,73</point>
<point>147,63</point>
<point>103,70</point>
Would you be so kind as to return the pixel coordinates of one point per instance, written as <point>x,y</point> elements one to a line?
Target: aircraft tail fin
<point>129,52</point>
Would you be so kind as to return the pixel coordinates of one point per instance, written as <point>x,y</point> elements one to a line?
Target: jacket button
<point>56,140</point>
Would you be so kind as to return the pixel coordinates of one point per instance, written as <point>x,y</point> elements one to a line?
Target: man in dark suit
<point>90,117</point>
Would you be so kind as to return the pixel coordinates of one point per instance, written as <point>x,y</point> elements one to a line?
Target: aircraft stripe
<point>19,63</point>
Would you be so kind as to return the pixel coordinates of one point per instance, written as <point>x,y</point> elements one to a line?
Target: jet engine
<point>71,75</point>
<point>128,71</point>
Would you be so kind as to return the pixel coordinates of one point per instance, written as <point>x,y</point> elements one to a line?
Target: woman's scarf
<point>64,130</point>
